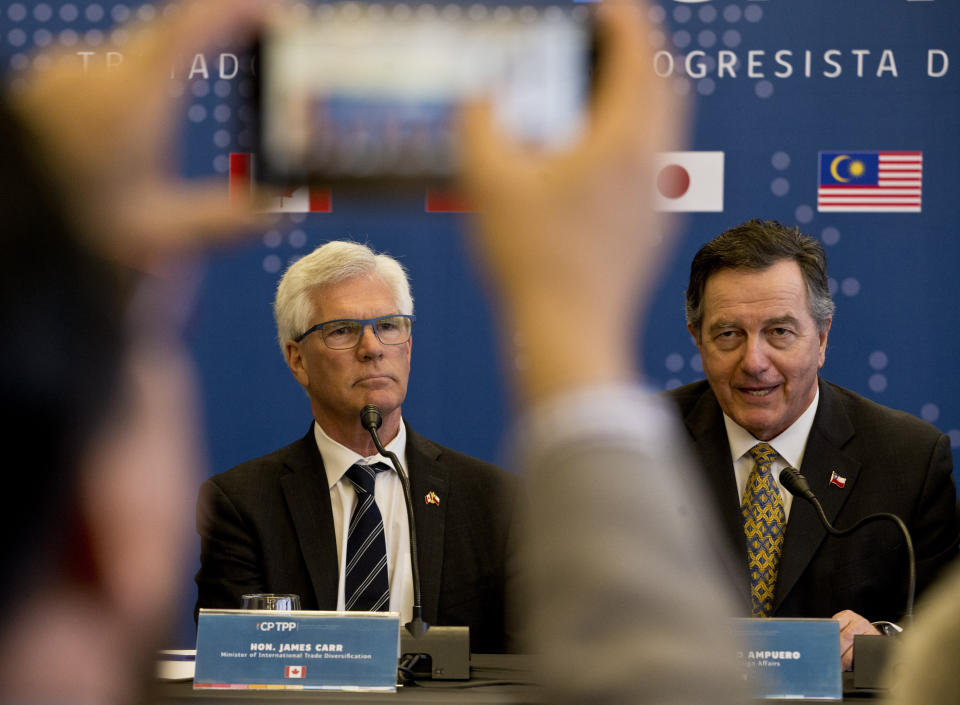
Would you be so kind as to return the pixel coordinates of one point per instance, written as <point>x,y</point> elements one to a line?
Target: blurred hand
<point>851,624</point>
<point>571,240</point>
<point>108,138</point>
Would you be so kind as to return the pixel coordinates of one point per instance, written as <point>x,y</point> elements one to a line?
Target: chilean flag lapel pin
<point>837,479</point>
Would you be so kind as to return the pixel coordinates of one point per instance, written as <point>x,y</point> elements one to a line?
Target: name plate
<point>299,650</point>
<point>791,658</point>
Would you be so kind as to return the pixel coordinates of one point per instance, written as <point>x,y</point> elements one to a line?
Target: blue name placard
<point>298,650</point>
<point>791,658</point>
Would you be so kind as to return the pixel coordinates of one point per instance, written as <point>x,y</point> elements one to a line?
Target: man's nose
<point>369,345</point>
<point>755,360</point>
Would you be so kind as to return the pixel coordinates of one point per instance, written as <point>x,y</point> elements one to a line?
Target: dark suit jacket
<point>267,526</point>
<point>892,461</point>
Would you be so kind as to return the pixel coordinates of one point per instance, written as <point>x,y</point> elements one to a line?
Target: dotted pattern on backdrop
<point>31,33</point>
<point>705,27</point>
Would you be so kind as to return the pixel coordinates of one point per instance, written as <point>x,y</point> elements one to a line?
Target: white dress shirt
<point>388,493</point>
<point>790,446</point>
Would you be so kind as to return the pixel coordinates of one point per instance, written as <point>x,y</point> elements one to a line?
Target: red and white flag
<point>689,182</point>
<point>302,199</point>
<point>838,480</point>
<point>294,671</point>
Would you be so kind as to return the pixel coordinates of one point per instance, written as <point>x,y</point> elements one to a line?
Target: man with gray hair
<point>759,310</point>
<point>324,517</point>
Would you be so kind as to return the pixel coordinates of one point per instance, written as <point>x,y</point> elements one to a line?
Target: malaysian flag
<point>890,182</point>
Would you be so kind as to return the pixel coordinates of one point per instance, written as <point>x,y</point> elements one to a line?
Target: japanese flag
<point>689,182</point>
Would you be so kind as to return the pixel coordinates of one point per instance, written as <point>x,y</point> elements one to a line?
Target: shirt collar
<point>337,458</point>
<point>789,445</point>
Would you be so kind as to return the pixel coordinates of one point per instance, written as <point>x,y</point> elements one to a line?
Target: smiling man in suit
<point>759,309</point>
<point>324,517</point>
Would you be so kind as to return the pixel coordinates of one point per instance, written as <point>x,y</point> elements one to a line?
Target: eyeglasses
<point>345,333</point>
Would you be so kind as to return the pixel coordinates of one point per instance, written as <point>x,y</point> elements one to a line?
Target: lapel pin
<point>431,498</point>
<point>837,479</point>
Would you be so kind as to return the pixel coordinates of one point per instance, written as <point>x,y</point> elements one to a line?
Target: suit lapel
<point>428,475</point>
<point>823,455</point>
<point>705,424</point>
<point>308,499</point>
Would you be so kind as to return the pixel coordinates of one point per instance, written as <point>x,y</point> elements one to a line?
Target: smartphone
<point>371,92</point>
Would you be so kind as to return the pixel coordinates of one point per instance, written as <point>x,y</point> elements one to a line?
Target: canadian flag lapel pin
<point>431,498</point>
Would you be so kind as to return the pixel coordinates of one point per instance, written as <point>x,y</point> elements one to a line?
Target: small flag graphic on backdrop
<point>689,182</point>
<point>294,671</point>
<point>870,182</point>
<point>303,199</point>
<point>440,200</point>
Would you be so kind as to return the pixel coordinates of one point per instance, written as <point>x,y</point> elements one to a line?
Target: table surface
<point>495,679</point>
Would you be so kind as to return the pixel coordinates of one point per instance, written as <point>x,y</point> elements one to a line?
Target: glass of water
<point>270,601</point>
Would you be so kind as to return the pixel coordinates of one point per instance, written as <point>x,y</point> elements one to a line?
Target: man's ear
<point>296,363</point>
<point>823,343</point>
<point>695,334</point>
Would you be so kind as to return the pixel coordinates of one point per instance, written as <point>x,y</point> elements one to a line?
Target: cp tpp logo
<point>276,626</point>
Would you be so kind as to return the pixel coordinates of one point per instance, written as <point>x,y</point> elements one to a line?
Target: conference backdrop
<point>840,117</point>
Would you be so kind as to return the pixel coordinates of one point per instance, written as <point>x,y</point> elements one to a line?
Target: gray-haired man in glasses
<point>299,519</point>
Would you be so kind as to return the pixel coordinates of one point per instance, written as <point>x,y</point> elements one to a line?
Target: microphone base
<point>416,627</point>
<point>444,653</point>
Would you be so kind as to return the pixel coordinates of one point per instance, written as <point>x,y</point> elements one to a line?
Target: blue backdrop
<point>776,82</point>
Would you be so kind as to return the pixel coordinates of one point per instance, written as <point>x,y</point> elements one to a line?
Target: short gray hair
<point>757,245</point>
<point>329,264</point>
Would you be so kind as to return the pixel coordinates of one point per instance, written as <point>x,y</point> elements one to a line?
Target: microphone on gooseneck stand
<point>797,485</point>
<point>440,652</point>
<point>371,419</point>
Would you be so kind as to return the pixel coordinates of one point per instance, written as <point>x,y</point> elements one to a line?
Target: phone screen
<point>362,91</point>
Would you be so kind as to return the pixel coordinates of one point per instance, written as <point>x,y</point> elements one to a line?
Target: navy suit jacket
<point>892,461</point>
<point>267,526</point>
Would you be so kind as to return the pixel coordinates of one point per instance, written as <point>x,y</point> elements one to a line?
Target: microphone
<point>796,484</point>
<point>441,652</point>
<point>372,419</point>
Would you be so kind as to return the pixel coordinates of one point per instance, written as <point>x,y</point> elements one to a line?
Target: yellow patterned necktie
<point>763,523</point>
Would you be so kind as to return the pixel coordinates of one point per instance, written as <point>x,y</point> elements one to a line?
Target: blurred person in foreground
<point>101,447</point>
<point>759,309</point>
<point>927,653</point>
<point>630,593</point>
<point>344,317</point>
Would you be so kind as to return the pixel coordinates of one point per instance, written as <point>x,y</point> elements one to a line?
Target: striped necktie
<point>764,520</point>
<point>366,585</point>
